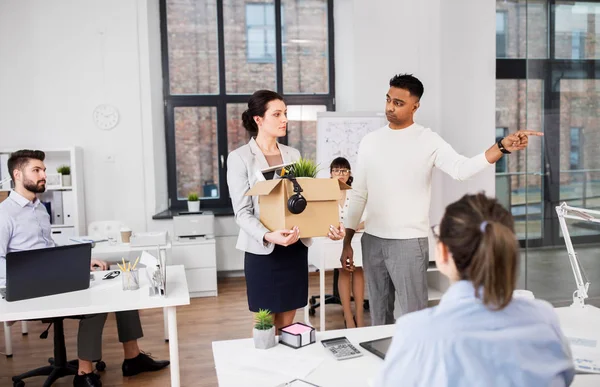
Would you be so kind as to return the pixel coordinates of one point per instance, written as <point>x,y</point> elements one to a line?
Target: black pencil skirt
<point>278,281</point>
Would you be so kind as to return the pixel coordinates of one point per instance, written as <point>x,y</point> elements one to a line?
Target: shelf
<point>53,226</point>
<point>47,189</point>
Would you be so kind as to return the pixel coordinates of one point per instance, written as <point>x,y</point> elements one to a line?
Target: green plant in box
<point>264,320</point>
<point>193,197</point>
<point>304,168</point>
<point>64,170</point>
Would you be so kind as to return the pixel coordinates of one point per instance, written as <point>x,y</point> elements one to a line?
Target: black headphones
<point>296,203</point>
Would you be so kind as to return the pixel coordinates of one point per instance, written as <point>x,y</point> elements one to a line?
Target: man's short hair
<point>408,82</point>
<point>20,159</point>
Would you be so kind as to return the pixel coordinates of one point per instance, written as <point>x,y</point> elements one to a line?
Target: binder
<point>68,208</point>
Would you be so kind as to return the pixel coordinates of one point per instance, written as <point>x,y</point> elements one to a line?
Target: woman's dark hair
<point>480,235</point>
<point>341,162</point>
<point>257,106</point>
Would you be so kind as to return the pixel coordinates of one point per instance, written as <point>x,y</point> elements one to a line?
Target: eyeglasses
<point>340,171</point>
<point>435,230</point>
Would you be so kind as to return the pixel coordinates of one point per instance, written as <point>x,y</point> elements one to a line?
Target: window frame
<point>550,70</point>
<point>220,100</point>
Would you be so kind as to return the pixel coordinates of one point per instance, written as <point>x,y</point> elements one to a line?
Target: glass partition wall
<point>547,72</point>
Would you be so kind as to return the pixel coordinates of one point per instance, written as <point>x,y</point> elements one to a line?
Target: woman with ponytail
<point>275,262</point>
<point>479,334</point>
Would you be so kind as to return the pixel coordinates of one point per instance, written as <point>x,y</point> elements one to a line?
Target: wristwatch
<point>502,148</point>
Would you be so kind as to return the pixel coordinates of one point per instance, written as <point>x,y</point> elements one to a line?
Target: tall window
<point>216,53</point>
<point>577,45</point>
<point>260,32</point>
<point>575,156</point>
<point>549,81</point>
<point>500,34</point>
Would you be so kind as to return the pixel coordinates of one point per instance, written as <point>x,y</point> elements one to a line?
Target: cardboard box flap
<point>319,189</point>
<point>263,187</point>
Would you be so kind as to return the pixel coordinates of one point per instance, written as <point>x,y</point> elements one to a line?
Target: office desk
<point>106,296</point>
<point>325,254</point>
<point>114,253</point>
<point>357,372</point>
<point>360,371</point>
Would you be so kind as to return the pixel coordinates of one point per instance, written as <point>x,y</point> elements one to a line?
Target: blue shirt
<point>463,343</point>
<point>24,225</point>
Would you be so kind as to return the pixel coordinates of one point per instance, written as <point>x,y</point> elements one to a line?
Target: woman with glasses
<point>351,281</point>
<point>479,334</point>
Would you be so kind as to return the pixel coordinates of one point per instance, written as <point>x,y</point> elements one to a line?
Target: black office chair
<point>331,298</point>
<point>59,366</point>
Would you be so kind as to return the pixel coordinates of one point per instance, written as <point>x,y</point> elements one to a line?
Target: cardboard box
<point>3,195</point>
<point>321,211</point>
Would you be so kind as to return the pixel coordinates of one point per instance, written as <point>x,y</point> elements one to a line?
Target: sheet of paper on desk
<point>292,365</point>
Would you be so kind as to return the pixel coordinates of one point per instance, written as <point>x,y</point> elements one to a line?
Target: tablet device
<point>378,347</point>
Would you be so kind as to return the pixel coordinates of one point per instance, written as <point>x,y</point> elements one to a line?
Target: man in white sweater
<point>393,182</point>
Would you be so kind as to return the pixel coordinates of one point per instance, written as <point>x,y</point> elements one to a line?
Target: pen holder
<point>131,279</point>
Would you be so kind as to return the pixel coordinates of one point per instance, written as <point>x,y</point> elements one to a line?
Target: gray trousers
<point>89,338</point>
<point>395,267</point>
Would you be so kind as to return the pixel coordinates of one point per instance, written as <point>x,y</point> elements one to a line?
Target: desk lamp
<point>567,212</point>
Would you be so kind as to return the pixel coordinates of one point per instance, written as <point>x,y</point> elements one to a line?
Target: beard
<point>34,187</point>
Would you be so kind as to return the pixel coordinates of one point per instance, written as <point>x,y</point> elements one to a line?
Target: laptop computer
<point>377,347</point>
<point>44,272</point>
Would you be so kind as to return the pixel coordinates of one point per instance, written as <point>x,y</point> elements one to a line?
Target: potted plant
<point>304,168</point>
<point>193,202</point>
<point>264,330</point>
<point>65,172</point>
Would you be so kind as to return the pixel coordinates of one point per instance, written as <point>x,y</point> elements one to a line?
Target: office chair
<point>331,298</point>
<point>59,365</point>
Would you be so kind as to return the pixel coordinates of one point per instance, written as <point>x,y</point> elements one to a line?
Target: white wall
<point>60,59</point>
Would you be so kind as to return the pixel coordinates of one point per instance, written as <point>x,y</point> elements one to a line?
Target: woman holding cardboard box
<point>275,262</point>
<point>351,279</point>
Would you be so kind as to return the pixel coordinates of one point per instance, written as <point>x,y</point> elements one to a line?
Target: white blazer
<point>244,167</point>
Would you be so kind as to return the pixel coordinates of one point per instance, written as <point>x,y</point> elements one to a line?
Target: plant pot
<point>66,180</point>
<point>264,339</point>
<point>193,206</point>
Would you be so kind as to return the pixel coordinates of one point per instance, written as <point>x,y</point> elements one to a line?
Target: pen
<point>136,262</point>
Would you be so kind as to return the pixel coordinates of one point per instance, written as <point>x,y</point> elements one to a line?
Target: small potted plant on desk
<point>304,168</point>
<point>193,202</point>
<point>264,330</point>
<point>65,172</point>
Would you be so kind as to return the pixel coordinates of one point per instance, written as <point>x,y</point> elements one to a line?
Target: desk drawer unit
<point>200,261</point>
<point>195,256</point>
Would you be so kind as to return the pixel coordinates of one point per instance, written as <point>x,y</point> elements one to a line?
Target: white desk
<point>102,250</point>
<point>114,253</point>
<point>360,371</point>
<point>106,296</point>
<point>331,372</point>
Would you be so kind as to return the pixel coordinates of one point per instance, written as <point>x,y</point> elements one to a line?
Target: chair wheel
<point>100,366</point>
<point>366,305</point>
<point>312,301</point>
<point>19,383</point>
<point>51,360</point>
<point>311,312</point>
